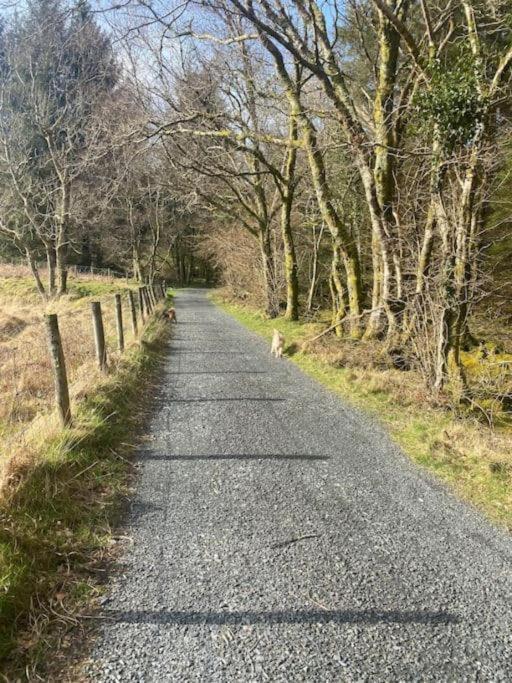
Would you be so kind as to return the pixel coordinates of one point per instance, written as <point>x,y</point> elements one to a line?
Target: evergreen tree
<point>58,68</point>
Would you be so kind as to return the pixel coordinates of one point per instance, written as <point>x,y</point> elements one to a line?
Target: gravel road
<point>278,535</point>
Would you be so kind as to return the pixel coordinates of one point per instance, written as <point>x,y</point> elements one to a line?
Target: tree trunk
<point>51,262</point>
<point>188,269</point>
<point>385,243</point>
<point>137,267</point>
<point>314,267</point>
<point>191,263</point>
<point>271,304</point>
<point>182,269</point>
<point>438,173</point>
<point>374,321</point>
<point>331,218</point>
<point>35,272</point>
<point>337,290</point>
<point>426,251</point>
<point>448,366</point>
<point>384,165</point>
<point>458,247</point>
<point>290,258</point>
<point>62,269</point>
<point>62,249</point>
<point>290,267</point>
<point>467,339</point>
<point>338,230</point>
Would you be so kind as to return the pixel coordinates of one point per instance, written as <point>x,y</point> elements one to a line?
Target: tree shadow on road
<point>151,455</point>
<point>369,616</point>
<point>265,399</point>
<point>220,372</point>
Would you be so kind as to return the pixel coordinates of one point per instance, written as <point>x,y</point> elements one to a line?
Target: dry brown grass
<point>63,493</point>
<point>26,381</point>
<point>466,448</point>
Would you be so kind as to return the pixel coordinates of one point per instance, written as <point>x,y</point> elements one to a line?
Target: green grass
<point>474,461</point>
<point>24,287</point>
<point>59,508</point>
<point>80,289</point>
<point>18,287</point>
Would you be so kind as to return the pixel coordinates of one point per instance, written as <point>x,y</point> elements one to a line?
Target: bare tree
<point>57,69</point>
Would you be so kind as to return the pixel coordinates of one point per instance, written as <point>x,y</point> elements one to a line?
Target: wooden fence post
<point>59,368</point>
<point>133,312</point>
<point>99,335</point>
<point>142,304</point>
<point>119,323</point>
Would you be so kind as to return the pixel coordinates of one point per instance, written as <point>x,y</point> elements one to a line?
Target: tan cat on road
<point>277,344</point>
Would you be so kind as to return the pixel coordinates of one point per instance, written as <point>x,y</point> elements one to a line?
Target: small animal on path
<point>277,344</point>
<point>171,315</point>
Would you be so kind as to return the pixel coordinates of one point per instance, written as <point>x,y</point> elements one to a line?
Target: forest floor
<point>461,448</point>
<point>277,533</point>
<point>61,491</point>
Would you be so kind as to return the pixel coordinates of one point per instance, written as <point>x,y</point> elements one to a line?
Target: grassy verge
<point>58,508</point>
<point>474,460</point>
<point>26,380</point>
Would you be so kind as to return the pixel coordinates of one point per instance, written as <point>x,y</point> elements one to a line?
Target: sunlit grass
<point>60,490</point>
<point>26,382</point>
<point>62,493</point>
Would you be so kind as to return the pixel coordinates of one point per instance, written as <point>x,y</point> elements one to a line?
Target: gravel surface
<point>278,535</point>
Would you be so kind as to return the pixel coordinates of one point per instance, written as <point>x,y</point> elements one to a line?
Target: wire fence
<point>76,270</point>
<point>45,358</point>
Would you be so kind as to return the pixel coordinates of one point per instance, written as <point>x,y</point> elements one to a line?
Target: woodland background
<point>348,162</point>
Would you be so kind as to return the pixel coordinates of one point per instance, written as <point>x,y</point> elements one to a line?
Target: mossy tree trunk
<point>383,174</point>
<point>269,275</point>
<point>338,292</point>
<point>458,244</point>
<point>314,265</point>
<point>339,231</point>
<point>335,224</point>
<point>374,320</point>
<point>290,258</point>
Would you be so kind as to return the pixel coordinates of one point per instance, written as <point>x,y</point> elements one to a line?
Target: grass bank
<point>473,459</point>
<point>26,379</point>
<point>58,507</point>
